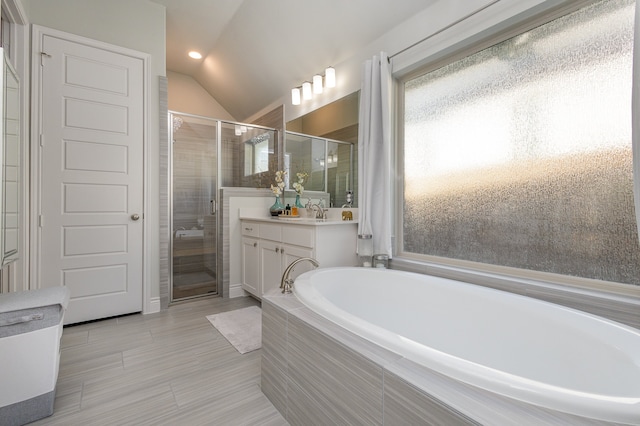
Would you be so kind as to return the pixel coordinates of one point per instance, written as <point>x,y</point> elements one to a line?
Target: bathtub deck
<point>315,372</point>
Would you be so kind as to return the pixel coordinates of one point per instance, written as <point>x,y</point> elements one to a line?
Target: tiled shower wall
<point>164,195</point>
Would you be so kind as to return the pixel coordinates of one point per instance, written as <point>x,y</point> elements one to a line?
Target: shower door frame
<point>215,210</point>
<point>220,261</point>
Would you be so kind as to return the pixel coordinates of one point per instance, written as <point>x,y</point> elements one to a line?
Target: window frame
<point>470,271</point>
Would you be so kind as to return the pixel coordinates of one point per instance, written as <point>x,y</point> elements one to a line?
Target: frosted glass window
<point>520,155</point>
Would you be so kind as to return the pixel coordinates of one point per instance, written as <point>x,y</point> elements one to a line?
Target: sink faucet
<point>320,213</point>
<point>286,283</point>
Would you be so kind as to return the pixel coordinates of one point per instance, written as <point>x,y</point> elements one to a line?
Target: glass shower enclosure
<point>194,174</point>
<point>207,154</point>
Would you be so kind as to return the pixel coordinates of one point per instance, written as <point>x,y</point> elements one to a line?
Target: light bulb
<point>306,91</point>
<point>295,96</point>
<point>330,77</point>
<point>317,83</point>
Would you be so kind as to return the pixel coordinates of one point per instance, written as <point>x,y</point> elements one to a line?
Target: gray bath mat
<point>242,327</point>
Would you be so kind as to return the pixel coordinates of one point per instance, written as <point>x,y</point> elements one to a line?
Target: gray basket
<point>30,332</point>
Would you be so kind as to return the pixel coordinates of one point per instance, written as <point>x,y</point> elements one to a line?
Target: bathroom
<point>464,22</point>
<point>573,295</point>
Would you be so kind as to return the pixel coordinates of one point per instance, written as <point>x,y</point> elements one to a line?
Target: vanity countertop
<point>334,217</point>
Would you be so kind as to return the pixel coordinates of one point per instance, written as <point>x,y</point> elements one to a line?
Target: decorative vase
<point>277,207</point>
<point>298,204</point>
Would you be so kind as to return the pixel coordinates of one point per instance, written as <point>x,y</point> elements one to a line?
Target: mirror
<point>340,171</point>
<point>328,164</point>
<point>337,123</point>
<point>10,164</point>
<point>305,154</point>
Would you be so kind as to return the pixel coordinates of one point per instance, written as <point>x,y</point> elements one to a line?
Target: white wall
<point>135,24</point>
<point>188,96</point>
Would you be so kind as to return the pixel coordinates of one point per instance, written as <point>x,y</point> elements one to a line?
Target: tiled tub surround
<point>316,372</point>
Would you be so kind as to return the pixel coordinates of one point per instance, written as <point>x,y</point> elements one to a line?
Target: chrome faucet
<point>320,213</point>
<point>286,283</point>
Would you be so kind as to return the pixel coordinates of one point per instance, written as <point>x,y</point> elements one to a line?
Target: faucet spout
<point>286,283</point>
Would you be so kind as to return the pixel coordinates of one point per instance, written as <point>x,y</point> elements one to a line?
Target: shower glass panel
<point>194,191</point>
<point>249,157</point>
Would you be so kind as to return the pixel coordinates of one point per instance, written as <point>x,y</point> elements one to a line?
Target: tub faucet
<point>286,283</point>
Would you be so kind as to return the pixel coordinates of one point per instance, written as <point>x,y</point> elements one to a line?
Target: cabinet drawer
<point>303,236</point>
<point>271,232</point>
<point>250,229</point>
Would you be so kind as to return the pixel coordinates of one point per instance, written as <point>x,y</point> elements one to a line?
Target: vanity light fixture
<point>295,96</point>
<point>306,91</point>
<point>330,77</point>
<point>195,55</point>
<point>329,80</point>
<point>317,84</point>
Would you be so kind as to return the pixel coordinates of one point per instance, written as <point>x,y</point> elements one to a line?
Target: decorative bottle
<point>277,208</point>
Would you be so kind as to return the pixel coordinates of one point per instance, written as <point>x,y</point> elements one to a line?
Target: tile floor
<point>168,368</point>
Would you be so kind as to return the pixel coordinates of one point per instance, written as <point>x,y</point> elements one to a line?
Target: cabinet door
<point>291,253</point>
<point>270,264</point>
<point>250,266</point>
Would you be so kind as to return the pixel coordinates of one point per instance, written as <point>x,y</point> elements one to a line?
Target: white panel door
<point>91,178</point>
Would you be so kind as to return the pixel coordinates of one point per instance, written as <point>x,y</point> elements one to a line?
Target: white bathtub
<point>519,347</point>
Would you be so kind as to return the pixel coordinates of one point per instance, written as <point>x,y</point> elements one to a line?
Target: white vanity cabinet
<point>269,246</point>
<point>250,256</point>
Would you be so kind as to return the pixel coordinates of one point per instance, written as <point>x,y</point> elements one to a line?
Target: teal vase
<point>277,207</point>
<point>298,204</point>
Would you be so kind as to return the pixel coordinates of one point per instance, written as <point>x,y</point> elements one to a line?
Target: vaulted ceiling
<point>255,51</point>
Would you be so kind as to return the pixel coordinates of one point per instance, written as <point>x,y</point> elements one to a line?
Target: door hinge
<point>41,139</point>
<point>42,56</point>
<point>40,221</point>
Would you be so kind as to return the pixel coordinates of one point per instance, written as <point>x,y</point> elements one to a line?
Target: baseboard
<point>153,306</point>
<point>236,291</point>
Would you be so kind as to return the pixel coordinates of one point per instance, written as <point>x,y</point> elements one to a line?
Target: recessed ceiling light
<point>195,55</point>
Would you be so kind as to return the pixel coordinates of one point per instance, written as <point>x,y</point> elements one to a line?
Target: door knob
<point>135,216</point>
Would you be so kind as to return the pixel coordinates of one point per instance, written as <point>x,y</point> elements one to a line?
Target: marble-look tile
<point>331,378</point>
<point>168,368</point>
<point>164,204</point>
<point>274,355</point>
<point>371,351</point>
<point>404,404</point>
<point>623,311</point>
<point>346,386</point>
<point>274,384</point>
<point>274,335</point>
